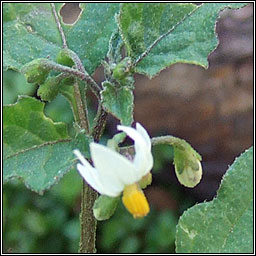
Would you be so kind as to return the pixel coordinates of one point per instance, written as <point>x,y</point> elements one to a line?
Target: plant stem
<point>59,26</point>
<point>77,73</point>
<point>82,112</point>
<point>87,221</point>
<point>88,196</point>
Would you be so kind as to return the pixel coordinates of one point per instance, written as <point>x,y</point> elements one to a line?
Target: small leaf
<point>118,101</point>
<point>104,207</point>
<point>224,225</point>
<point>115,46</point>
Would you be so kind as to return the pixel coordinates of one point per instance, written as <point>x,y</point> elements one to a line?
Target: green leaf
<point>30,32</point>
<point>224,225</point>
<point>143,23</point>
<point>25,126</point>
<point>186,33</point>
<point>42,166</point>
<point>118,101</point>
<point>89,36</point>
<point>36,149</point>
<point>104,207</point>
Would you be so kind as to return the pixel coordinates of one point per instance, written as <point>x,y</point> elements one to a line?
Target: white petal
<point>144,134</point>
<point>139,141</point>
<point>143,160</point>
<point>116,170</point>
<point>92,177</point>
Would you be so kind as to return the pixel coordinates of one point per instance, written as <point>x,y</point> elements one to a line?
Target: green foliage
<point>118,101</point>
<point>36,224</point>
<point>224,225</point>
<point>89,36</point>
<point>124,234</point>
<point>30,32</point>
<point>186,33</point>
<point>14,84</point>
<point>44,152</point>
<point>39,151</point>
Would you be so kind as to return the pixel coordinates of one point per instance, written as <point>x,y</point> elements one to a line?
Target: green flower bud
<point>122,69</point>
<point>49,89</point>
<point>64,59</point>
<point>36,71</point>
<point>188,167</point>
<point>104,207</point>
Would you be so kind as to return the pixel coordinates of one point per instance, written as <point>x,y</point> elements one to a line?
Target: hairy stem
<point>77,73</point>
<point>87,221</point>
<point>100,122</point>
<point>88,196</point>
<point>59,26</point>
<point>82,112</point>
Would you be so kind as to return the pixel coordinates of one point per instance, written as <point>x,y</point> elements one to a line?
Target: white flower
<point>113,173</point>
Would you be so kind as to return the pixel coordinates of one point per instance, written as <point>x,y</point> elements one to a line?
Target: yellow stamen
<point>135,201</point>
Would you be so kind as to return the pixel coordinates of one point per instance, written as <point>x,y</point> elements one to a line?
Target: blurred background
<point>212,109</point>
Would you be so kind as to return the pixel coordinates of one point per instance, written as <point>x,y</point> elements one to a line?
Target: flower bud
<point>64,59</point>
<point>49,89</point>
<point>122,69</point>
<point>188,167</point>
<point>36,71</point>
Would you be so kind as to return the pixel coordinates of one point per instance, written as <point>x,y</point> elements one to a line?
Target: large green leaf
<point>36,149</point>
<point>30,32</point>
<point>25,126</point>
<point>118,101</point>
<point>42,166</point>
<point>224,225</point>
<point>186,33</point>
<point>143,23</point>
